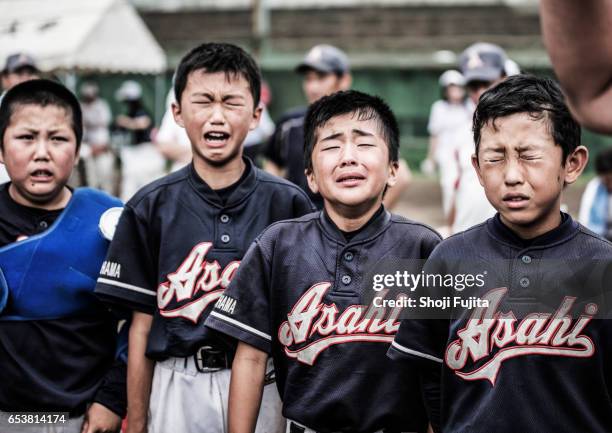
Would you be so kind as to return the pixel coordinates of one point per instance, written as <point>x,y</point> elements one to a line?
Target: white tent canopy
<point>83,35</point>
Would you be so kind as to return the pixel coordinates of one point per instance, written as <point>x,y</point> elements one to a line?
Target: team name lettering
<point>226,304</point>
<point>197,281</point>
<point>310,316</point>
<point>111,269</point>
<point>555,334</point>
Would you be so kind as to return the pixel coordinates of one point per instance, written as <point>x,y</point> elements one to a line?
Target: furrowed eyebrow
<point>58,131</point>
<point>498,149</point>
<point>525,147</point>
<point>232,96</point>
<point>362,133</point>
<point>333,136</point>
<point>204,94</point>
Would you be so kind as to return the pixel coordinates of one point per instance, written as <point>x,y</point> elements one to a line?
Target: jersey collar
<point>379,221</point>
<point>242,191</point>
<point>566,230</point>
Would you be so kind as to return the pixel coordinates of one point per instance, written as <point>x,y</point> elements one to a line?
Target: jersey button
<point>526,259</point>
<point>43,224</point>
<point>346,280</point>
<point>348,256</point>
<point>524,282</point>
<point>225,239</point>
<point>224,219</point>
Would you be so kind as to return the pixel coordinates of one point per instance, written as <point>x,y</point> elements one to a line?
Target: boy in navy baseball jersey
<point>535,354</point>
<point>300,296</point>
<point>178,245</point>
<point>57,341</point>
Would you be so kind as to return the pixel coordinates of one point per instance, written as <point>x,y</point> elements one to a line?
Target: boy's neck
<point>218,177</point>
<point>351,218</point>
<point>538,229</point>
<point>60,201</point>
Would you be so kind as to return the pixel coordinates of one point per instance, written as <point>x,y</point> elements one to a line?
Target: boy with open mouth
<point>300,295</point>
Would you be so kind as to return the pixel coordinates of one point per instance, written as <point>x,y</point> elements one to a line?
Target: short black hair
<point>218,57</point>
<point>603,161</point>
<point>540,97</point>
<point>361,105</point>
<point>42,93</point>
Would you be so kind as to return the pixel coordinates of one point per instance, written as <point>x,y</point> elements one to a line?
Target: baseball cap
<point>451,77</point>
<point>129,91</point>
<point>325,58</point>
<point>511,68</point>
<point>482,62</point>
<point>16,61</point>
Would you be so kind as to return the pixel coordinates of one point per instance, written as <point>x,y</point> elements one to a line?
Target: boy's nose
<point>513,173</point>
<point>42,149</point>
<point>348,156</point>
<point>217,117</point>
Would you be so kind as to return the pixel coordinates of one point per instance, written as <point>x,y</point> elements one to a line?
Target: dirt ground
<point>421,201</point>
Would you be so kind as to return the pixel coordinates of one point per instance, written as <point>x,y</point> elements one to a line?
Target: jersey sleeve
<point>423,338</point>
<point>243,311</point>
<point>128,275</point>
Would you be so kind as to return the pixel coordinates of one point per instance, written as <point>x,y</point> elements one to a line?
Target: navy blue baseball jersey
<point>299,296</point>
<point>178,244</point>
<point>533,352</point>
<point>286,150</point>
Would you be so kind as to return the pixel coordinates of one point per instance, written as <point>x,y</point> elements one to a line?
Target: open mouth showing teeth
<point>216,136</point>
<point>515,199</point>
<point>41,173</point>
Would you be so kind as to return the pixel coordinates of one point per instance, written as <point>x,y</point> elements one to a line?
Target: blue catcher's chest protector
<point>53,274</point>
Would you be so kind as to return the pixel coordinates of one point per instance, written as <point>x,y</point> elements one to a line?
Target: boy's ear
<point>477,168</point>
<point>176,112</point>
<point>256,117</point>
<point>77,157</point>
<point>575,164</point>
<point>346,81</point>
<point>312,181</point>
<point>393,169</point>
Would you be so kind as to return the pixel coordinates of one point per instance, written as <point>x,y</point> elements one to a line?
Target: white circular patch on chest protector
<point>108,222</point>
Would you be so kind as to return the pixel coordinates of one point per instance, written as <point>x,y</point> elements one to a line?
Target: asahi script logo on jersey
<point>313,326</point>
<point>487,329</point>
<point>196,284</point>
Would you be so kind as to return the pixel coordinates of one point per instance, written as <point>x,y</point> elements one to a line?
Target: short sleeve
<point>128,275</point>
<point>243,311</point>
<point>436,118</point>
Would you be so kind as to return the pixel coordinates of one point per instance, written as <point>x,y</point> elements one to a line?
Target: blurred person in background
<point>447,115</point>
<point>325,70</point>
<point>483,65</point>
<point>171,139</point>
<point>19,67</point>
<point>257,139</point>
<point>596,203</point>
<point>96,150</point>
<point>141,162</point>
